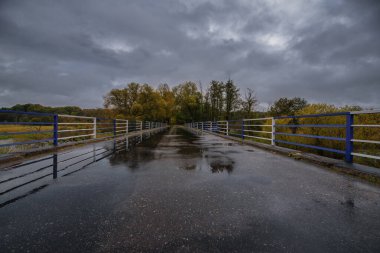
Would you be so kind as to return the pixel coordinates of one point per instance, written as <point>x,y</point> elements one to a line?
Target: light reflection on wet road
<point>179,192</point>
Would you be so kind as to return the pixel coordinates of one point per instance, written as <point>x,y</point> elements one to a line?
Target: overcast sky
<point>73,52</point>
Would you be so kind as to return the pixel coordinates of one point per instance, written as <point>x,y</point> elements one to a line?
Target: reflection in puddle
<point>221,166</point>
<point>213,165</point>
<point>191,150</point>
<point>188,167</point>
<point>228,144</point>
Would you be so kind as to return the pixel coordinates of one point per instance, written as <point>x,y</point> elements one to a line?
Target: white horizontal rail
<point>75,123</point>
<point>103,128</point>
<point>256,137</point>
<point>258,125</point>
<point>365,125</point>
<point>258,119</point>
<point>254,131</point>
<point>75,130</point>
<point>365,155</point>
<point>76,136</point>
<point>366,141</point>
<point>74,116</point>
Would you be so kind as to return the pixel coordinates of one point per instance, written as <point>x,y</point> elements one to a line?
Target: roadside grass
<point>24,137</point>
<point>8,134</point>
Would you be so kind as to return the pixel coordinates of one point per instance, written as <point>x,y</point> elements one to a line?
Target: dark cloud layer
<point>73,52</point>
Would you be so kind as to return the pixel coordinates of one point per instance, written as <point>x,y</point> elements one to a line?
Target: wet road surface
<point>179,192</point>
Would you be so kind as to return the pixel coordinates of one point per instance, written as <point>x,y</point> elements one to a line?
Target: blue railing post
<point>349,137</point>
<point>273,137</point>
<point>114,128</point>
<point>55,130</point>
<point>242,129</point>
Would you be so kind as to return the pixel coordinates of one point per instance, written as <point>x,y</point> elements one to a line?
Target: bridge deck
<point>186,193</point>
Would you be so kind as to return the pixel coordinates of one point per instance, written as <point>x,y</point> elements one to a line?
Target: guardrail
<point>22,131</point>
<point>32,175</point>
<point>335,133</point>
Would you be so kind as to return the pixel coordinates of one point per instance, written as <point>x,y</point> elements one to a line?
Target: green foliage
<point>187,102</point>
<point>122,100</point>
<point>72,110</point>
<point>216,99</point>
<point>286,106</point>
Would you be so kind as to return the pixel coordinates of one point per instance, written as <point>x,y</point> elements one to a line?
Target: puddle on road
<point>188,167</point>
<point>205,153</point>
<point>223,144</point>
<point>221,166</point>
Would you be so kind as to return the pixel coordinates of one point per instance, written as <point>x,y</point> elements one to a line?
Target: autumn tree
<point>187,101</point>
<point>149,99</point>
<point>167,102</point>
<point>123,100</point>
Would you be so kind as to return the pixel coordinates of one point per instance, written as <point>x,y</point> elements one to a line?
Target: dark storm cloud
<point>73,52</point>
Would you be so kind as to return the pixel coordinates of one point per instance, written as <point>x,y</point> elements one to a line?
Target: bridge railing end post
<point>349,136</point>
<point>94,127</point>
<point>273,131</point>
<point>55,130</point>
<point>114,128</point>
<point>242,129</point>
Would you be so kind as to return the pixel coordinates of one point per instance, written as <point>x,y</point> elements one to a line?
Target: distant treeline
<point>186,102</point>
<point>191,102</point>
<point>70,110</point>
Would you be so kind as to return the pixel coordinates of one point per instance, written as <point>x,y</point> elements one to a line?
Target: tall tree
<point>167,101</point>
<point>149,100</point>
<point>215,92</point>
<point>122,100</point>
<point>232,98</point>
<point>250,101</point>
<point>187,97</point>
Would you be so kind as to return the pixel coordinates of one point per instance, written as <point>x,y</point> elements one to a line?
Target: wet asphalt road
<point>177,192</point>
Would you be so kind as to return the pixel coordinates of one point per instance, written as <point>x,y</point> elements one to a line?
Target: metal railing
<point>22,131</point>
<point>327,132</point>
<point>32,175</point>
